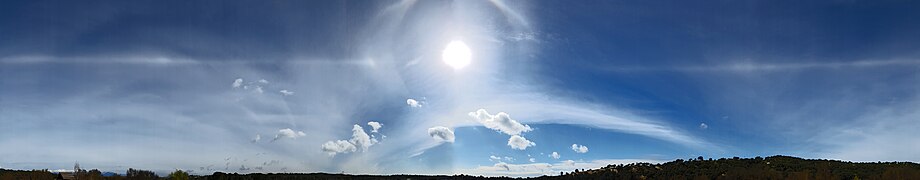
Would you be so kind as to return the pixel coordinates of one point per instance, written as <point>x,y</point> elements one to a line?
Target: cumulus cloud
<point>413,103</point>
<point>256,139</point>
<point>238,82</point>
<point>579,148</point>
<point>533,159</point>
<point>374,126</point>
<point>500,122</point>
<point>287,133</point>
<point>519,143</point>
<point>359,140</point>
<point>286,92</point>
<point>441,133</point>
<point>704,126</point>
<point>494,158</point>
<point>555,155</point>
<point>338,146</point>
<point>263,81</point>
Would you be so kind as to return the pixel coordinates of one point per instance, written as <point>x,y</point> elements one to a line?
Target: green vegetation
<point>178,175</point>
<point>774,167</point>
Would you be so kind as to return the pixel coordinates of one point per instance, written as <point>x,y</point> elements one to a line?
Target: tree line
<point>774,167</point>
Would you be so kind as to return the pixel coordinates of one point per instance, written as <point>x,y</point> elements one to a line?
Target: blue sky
<point>290,86</point>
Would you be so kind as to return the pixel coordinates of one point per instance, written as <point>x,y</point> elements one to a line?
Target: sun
<point>456,54</point>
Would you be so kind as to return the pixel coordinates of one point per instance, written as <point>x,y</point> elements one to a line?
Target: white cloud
<point>359,140</point>
<point>263,81</point>
<point>519,143</point>
<point>374,126</point>
<point>579,148</point>
<point>441,133</point>
<point>259,89</point>
<point>237,83</point>
<point>501,122</point>
<point>338,146</point>
<point>413,103</point>
<point>494,158</point>
<point>568,162</point>
<point>533,159</point>
<point>704,126</point>
<point>503,165</point>
<point>61,170</point>
<point>286,92</point>
<point>287,133</point>
<point>256,139</point>
<point>555,155</point>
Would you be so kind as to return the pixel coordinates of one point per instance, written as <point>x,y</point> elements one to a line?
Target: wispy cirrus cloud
<point>753,66</point>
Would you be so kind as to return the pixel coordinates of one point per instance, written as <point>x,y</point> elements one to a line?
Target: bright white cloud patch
<point>286,92</point>
<point>413,103</point>
<point>338,146</point>
<point>359,140</point>
<point>494,158</point>
<point>555,155</point>
<point>704,126</point>
<point>579,148</point>
<point>237,83</point>
<point>263,81</point>
<point>532,159</point>
<point>374,126</point>
<point>441,133</point>
<point>501,122</point>
<point>287,133</point>
<point>519,143</point>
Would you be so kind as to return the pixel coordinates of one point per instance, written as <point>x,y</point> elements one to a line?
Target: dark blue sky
<point>275,86</point>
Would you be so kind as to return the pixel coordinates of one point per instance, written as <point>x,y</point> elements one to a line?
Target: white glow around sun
<point>456,54</point>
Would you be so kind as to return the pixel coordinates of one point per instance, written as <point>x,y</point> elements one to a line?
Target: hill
<point>774,167</point>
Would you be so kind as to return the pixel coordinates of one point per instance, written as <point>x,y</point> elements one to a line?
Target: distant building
<point>66,176</point>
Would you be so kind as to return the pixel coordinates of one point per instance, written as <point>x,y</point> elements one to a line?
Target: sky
<point>495,88</point>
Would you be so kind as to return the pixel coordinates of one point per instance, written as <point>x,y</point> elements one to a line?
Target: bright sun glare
<point>456,54</point>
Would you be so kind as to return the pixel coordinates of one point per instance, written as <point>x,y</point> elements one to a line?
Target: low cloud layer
<point>539,169</point>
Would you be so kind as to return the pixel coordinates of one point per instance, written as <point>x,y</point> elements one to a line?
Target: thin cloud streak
<point>766,67</point>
